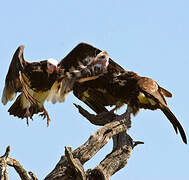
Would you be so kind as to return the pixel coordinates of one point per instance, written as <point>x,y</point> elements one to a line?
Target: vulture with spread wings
<point>33,80</point>
<point>118,87</point>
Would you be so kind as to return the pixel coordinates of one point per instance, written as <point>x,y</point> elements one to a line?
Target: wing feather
<point>151,88</point>
<point>12,82</point>
<point>165,92</point>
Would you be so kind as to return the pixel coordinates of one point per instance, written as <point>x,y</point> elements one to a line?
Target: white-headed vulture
<point>34,81</point>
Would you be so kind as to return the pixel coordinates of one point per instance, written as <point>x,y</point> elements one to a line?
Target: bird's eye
<point>102,56</point>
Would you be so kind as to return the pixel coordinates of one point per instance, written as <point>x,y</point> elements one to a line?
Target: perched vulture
<point>34,81</point>
<point>118,87</point>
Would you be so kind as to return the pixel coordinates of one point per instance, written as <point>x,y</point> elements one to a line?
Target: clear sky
<point>148,37</point>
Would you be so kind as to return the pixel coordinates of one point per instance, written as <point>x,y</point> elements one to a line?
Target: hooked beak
<point>95,60</point>
<point>56,68</point>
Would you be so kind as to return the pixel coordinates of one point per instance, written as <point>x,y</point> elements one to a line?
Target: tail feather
<point>18,109</point>
<point>176,124</point>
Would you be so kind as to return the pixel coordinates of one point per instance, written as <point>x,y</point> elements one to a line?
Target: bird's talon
<point>45,115</point>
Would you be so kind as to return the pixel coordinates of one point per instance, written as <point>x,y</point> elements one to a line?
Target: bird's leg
<point>45,115</point>
<point>27,115</point>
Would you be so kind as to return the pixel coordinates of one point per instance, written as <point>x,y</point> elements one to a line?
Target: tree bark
<point>113,127</point>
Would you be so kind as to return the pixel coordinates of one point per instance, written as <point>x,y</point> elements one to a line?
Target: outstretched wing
<point>83,54</point>
<point>12,82</point>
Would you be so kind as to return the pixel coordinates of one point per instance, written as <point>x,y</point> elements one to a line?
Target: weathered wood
<point>113,126</point>
<point>3,165</point>
<point>99,119</point>
<point>18,168</point>
<point>114,161</point>
<point>33,176</point>
<point>75,165</point>
<point>5,161</point>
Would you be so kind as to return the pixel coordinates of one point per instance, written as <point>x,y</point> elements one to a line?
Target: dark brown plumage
<point>33,80</point>
<point>126,87</point>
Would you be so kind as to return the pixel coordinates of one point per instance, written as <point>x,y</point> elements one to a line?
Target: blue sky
<point>148,37</point>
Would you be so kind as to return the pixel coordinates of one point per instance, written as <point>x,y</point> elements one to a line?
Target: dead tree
<point>70,166</point>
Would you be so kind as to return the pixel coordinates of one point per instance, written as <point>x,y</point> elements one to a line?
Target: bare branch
<point>7,152</point>
<point>97,140</point>
<point>75,165</point>
<point>114,161</point>
<point>18,168</point>
<point>33,176</point>
<point>3,165</point>
<point>137,143</point>
<point>5,161</point>
<point>99,119</point>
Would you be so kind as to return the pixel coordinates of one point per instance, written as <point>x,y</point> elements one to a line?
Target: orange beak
<point>56,68</point>
<point>95,60</point>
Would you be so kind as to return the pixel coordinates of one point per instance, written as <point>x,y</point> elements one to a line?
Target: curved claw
<point>45,115</point>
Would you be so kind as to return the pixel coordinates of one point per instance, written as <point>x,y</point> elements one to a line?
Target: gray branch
<point>115,127</point>
<point>6,161</point>
<point>3,165</point>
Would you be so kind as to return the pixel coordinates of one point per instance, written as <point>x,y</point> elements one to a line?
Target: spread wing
<point>76,66</point>
<point>83,53</point>
<point>12,82</point>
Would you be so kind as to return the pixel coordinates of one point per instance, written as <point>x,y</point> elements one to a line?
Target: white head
<point>103,59</point>
<point>52,65</point>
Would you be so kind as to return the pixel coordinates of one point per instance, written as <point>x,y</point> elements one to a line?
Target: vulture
<point>33,81</point>
<point>48,80</point>
<point>118,87</point>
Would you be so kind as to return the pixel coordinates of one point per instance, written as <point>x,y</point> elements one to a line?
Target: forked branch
<point>6,161</point>
<point>113,162</point>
